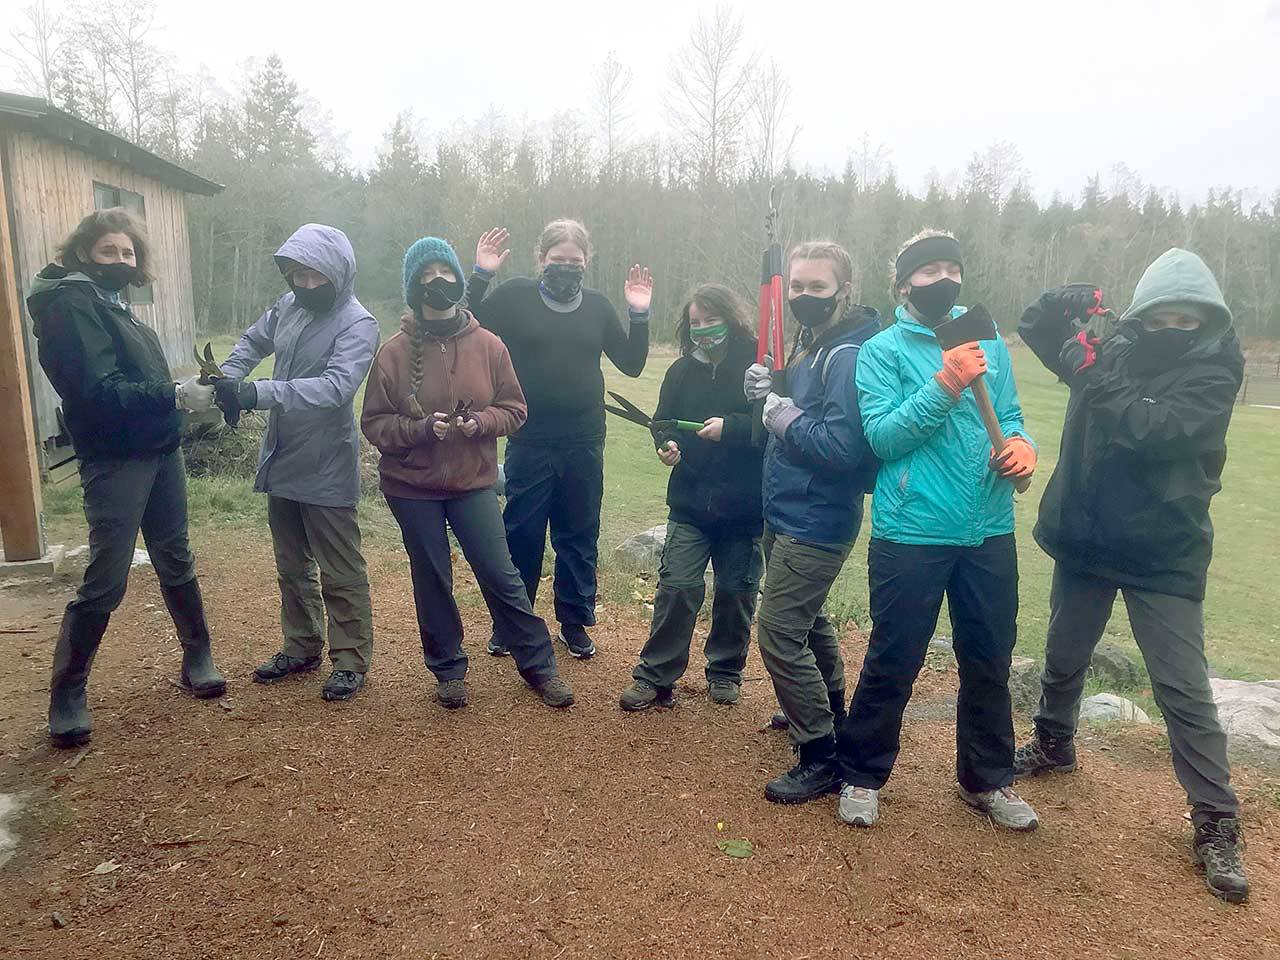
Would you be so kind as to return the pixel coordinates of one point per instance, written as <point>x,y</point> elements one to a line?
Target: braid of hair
<point>417,337</point>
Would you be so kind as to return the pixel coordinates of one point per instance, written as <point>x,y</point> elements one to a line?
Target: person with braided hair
<point>817,469</point>
<point>441,393</point>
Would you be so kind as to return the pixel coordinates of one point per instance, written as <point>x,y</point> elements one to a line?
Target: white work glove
<point>780,413</point>
<point>757,381</point>
<point>193,396</point>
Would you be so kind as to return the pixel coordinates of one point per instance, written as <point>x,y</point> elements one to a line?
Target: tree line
<point>689,201</point>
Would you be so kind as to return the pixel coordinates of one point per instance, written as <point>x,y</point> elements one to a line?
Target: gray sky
<point>1185,92</point>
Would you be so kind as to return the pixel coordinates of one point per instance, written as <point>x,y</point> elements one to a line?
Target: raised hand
<point>638,289</point>
<point>493,248</point>
<point>669,453</point>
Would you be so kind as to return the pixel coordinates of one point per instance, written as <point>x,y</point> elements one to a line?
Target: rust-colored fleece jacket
<point>472,366</point>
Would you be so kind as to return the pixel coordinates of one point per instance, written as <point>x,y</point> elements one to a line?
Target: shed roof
<point>40,116</point>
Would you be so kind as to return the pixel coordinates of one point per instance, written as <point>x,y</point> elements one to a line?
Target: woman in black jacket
<point>124,413</point>
<point>714,501</point>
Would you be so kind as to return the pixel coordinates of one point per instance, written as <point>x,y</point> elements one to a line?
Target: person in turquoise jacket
<point>941,525</point>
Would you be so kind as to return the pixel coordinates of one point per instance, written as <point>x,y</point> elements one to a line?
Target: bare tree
<point>772,138</point>
<point>869,162</point>
<point>38,38</point>
<point>135,62</point>
<point>711,87</point>
<point>613,85</point>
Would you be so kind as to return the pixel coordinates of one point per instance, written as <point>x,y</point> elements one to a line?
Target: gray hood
<point>326,250</point>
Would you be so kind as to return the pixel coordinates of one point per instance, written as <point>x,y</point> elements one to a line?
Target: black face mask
<point>111,276</point>
<point>811,311</point>
<point>562,281</point>
<point>934,302</point>
<point>440,293</point>
<point>316,299</point>
<point>1155,350</point>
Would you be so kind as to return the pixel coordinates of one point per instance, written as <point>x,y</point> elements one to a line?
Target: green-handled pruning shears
<point>629,411</point>
<point>209,369</point>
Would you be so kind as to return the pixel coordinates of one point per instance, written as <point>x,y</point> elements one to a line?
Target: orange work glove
<point>1017,461</point>
<point>960,367</point>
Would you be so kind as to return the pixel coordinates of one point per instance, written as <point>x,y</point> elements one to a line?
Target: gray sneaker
<point>452,694</point>
<point>1003,806</point>
<point>555,693</point>
<point>724,692</point>
<point>642,695</point>
<point>859,806</point>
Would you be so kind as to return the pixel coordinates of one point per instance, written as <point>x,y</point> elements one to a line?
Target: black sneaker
<point>1043,755</point>
<point>497,648</point>
<point>779,721</point>
<point>816,775</point>
<point>342,685</point>
<point>452,694</point>
<point>575,637</point>
<point>282,665</point>
<point>1217,847</point>
<point>555,693</point>
<point>726,693</point>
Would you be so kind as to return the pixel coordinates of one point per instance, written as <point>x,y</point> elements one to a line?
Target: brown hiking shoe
<point>642,695</point>
<point>1217,848</point>
<point>726,693</point>
<point>555,693</point>
<point>452,694</point>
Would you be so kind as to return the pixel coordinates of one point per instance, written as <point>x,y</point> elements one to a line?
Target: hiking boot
<point>342,685</point>
<point>282,665</point>
<point>1217,847</point>
<point>575,637</point>
<point>497,648</point>
<point>1044,755</point>
<point>815,775</point>
<point>186,607</point>
<point>779,721</point>
<point>859,806</point>
<point>555,693</point>
<point>724,692</point>
<point>1003,806</point>
<point>69,722</point>
<point>452,694</point>
<point>642,695</point>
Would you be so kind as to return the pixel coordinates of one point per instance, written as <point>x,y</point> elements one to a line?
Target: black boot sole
<point>791,799</point>
<point>259,678</point>
<point>203,693</point>
<point>332,697</point>
<point>69,741</point>
<point>1046,771</point>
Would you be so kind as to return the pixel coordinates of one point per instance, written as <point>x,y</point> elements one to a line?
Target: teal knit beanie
<point>425,251</point>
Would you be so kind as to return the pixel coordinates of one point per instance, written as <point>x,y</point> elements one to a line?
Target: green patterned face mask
<point>709,337</point>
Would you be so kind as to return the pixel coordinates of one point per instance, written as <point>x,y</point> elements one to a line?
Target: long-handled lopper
<point>769,349</point>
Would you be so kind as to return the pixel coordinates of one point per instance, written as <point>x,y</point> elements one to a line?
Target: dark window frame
<point>106,196</point>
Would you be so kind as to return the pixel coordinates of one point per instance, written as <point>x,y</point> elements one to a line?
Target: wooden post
<point>21,510</point>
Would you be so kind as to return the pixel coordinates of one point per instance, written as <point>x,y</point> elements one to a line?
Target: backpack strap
<point>831,355</point>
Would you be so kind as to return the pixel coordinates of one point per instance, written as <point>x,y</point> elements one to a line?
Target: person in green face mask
<point>714,500</point>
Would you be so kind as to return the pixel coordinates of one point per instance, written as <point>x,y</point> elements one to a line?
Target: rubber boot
<point>199,675</point>
<point>69,722</point>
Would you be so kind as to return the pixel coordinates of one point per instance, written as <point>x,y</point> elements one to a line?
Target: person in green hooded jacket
<point>1127,511</point>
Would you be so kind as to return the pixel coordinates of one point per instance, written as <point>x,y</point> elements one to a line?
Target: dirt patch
<point>271,824</point>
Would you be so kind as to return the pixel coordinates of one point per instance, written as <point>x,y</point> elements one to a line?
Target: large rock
<point>1024,684</point>
<point>641,553</point>
<point>1113,666</point>
<point>1250,713</point>
<point>1109,707</point>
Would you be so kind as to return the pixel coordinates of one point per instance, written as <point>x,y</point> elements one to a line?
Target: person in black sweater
<point>714,499</point>
<point>124,413</point>
<point>556,330</point>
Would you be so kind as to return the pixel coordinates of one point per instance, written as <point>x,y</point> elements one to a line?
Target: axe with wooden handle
<point>971,326</point>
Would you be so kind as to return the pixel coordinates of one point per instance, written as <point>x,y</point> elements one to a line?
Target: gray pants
<point>798,643</point>
<point>1170,633</point>
<point>738,564</point>
<point>121,497</point>
<point>307,537</point>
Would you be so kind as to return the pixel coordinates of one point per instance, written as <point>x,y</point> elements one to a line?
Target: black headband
<point>926,251</point>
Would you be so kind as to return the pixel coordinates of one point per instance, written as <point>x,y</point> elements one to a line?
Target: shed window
<point>104,197</point>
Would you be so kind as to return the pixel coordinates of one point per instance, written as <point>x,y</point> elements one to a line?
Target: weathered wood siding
<point>50,190</point>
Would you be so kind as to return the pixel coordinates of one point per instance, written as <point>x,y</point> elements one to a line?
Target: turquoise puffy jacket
<point>934,486</point>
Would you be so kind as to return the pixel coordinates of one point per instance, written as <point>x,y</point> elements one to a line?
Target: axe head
<point>972,325</point>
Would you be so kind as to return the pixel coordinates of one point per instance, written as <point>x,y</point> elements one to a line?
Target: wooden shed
<point>58,168</point>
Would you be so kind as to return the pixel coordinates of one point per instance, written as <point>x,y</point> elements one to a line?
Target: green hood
<point>1180,276</point>
<point>54,276</point>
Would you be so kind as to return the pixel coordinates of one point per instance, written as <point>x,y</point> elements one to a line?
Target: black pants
<point>477,523</point>
<point>561,487</point>
<point>121,497</point>
<point>907,585</point>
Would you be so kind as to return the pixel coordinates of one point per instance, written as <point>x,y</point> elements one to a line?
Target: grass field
<point>1242,611</point>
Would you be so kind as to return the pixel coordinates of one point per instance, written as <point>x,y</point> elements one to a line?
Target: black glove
<point>234,396</point>
<point>1076,301</point>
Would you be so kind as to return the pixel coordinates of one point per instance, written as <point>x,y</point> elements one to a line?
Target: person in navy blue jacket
<point>817,469</point>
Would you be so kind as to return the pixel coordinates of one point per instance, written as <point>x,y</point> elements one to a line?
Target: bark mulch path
<point>270,824</point>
